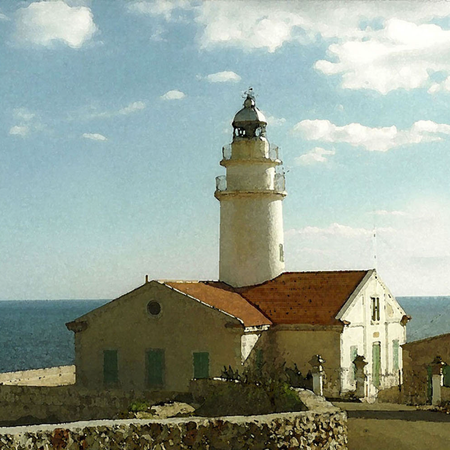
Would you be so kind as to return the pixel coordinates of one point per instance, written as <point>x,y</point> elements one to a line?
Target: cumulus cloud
<point>316,155</point>
<point>131,108</point>
<point>373,139</point>
<point>173,95</point>
<point>223,77</point>
<point>401,55</point>
<point>43,23</point>
<point>19,130</point>
<point>94,136</point>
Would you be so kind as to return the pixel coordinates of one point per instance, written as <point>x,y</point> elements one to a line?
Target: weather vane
<point>249,93</point>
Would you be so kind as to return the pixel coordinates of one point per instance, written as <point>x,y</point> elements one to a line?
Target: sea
<point>33,334</point>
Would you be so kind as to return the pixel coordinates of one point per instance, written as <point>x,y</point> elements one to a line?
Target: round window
<point>154,308</point>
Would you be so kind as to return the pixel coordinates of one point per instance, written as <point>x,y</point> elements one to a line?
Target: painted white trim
<point>355,293</point>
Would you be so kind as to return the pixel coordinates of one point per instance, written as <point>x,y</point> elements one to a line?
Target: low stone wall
<point>51,376</point>
<point>308,430</point>
<point>23,405</point>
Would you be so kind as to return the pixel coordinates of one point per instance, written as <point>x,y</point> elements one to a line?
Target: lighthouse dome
<point>249,122</point>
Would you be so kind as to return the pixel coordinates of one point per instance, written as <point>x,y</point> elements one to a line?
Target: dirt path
<point>396,427</point>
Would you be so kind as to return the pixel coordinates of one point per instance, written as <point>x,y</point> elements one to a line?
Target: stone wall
<point>308,430</point>
<point>42,404</point>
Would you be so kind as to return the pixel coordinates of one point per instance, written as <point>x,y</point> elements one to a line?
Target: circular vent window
<point>154,308</point>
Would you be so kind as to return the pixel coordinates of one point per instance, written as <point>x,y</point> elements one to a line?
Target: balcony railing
<point>279,185</point>
<point>227,152</point>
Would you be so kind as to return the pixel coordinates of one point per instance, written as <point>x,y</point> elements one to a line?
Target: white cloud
<point>94,136</point>
<point>19,130</point>
<point>372,139</point>
<point>173,95</point>
<point>131,108</point>
<point>316,155</point>
<point>42,23</point>
<point>223,77</point>
<point>3,17</point>
<point>412,248</point>
<point>23,114</point>
<point>275,121</point>
<point>168,9</point>
<point>401,55</point>
<point>126,110</point>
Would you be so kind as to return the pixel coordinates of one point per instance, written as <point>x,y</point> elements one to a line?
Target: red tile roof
<point>292,298</point>
<point>304,297</point>
<point>220,296</point>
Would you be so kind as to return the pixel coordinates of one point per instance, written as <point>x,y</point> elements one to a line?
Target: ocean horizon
<point>33,334</point>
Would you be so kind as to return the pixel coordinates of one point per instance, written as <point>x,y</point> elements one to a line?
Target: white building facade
<point>374,327</point>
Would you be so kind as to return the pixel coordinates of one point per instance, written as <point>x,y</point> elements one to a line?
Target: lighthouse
<point>250,195</point>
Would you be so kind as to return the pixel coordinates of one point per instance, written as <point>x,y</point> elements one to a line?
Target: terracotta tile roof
<point>221,296</point>
<point>304,297</point>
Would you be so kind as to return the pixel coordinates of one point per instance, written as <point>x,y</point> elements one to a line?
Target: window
<point>375,309</point>
<point>201,365</point>
<point>110,367</point>
<point>395,352</point>
<point>155,367</point>
<point>154,308</point>
<point>281,253</point>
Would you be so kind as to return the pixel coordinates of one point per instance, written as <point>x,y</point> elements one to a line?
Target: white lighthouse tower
<point>250,195</point>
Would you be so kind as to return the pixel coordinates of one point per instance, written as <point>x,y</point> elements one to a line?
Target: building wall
<point>184,326</point>
<point>418,355</point>
<point>296,345</point>
<point>363,332</point>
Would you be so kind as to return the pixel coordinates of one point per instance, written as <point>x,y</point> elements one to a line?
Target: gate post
<point>317,374</point>
<point>437,380</point>
<point>360,376</point>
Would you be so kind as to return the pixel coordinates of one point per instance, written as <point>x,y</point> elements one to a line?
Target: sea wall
<point>309,430</point>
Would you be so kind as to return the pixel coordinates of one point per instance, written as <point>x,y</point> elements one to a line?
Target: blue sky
<point>114,114</point>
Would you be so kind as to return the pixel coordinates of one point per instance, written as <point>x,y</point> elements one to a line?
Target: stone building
<point>165,333</point>
<point>417,367</point>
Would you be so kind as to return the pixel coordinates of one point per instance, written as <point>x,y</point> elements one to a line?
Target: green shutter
<point>446,372</point>
<point>395,352</point>
<point>110,367</point>
<point>155,367</point>
<point>201,365</point>
<point>376,363</point>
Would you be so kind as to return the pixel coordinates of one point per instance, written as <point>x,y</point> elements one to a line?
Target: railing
<point>279,184</point>
<point>221,183</point>
<point>227,152</point>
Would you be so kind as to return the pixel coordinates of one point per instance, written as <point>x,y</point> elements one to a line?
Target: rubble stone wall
<point>309,430</point>
<point>23,405</point>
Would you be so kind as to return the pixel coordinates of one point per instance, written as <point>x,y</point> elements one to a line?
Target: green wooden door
<point>155,367</point>
<point>446,373</point>
<point>201,365</point>
<point>110,367</point>
<point>376,363</point>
